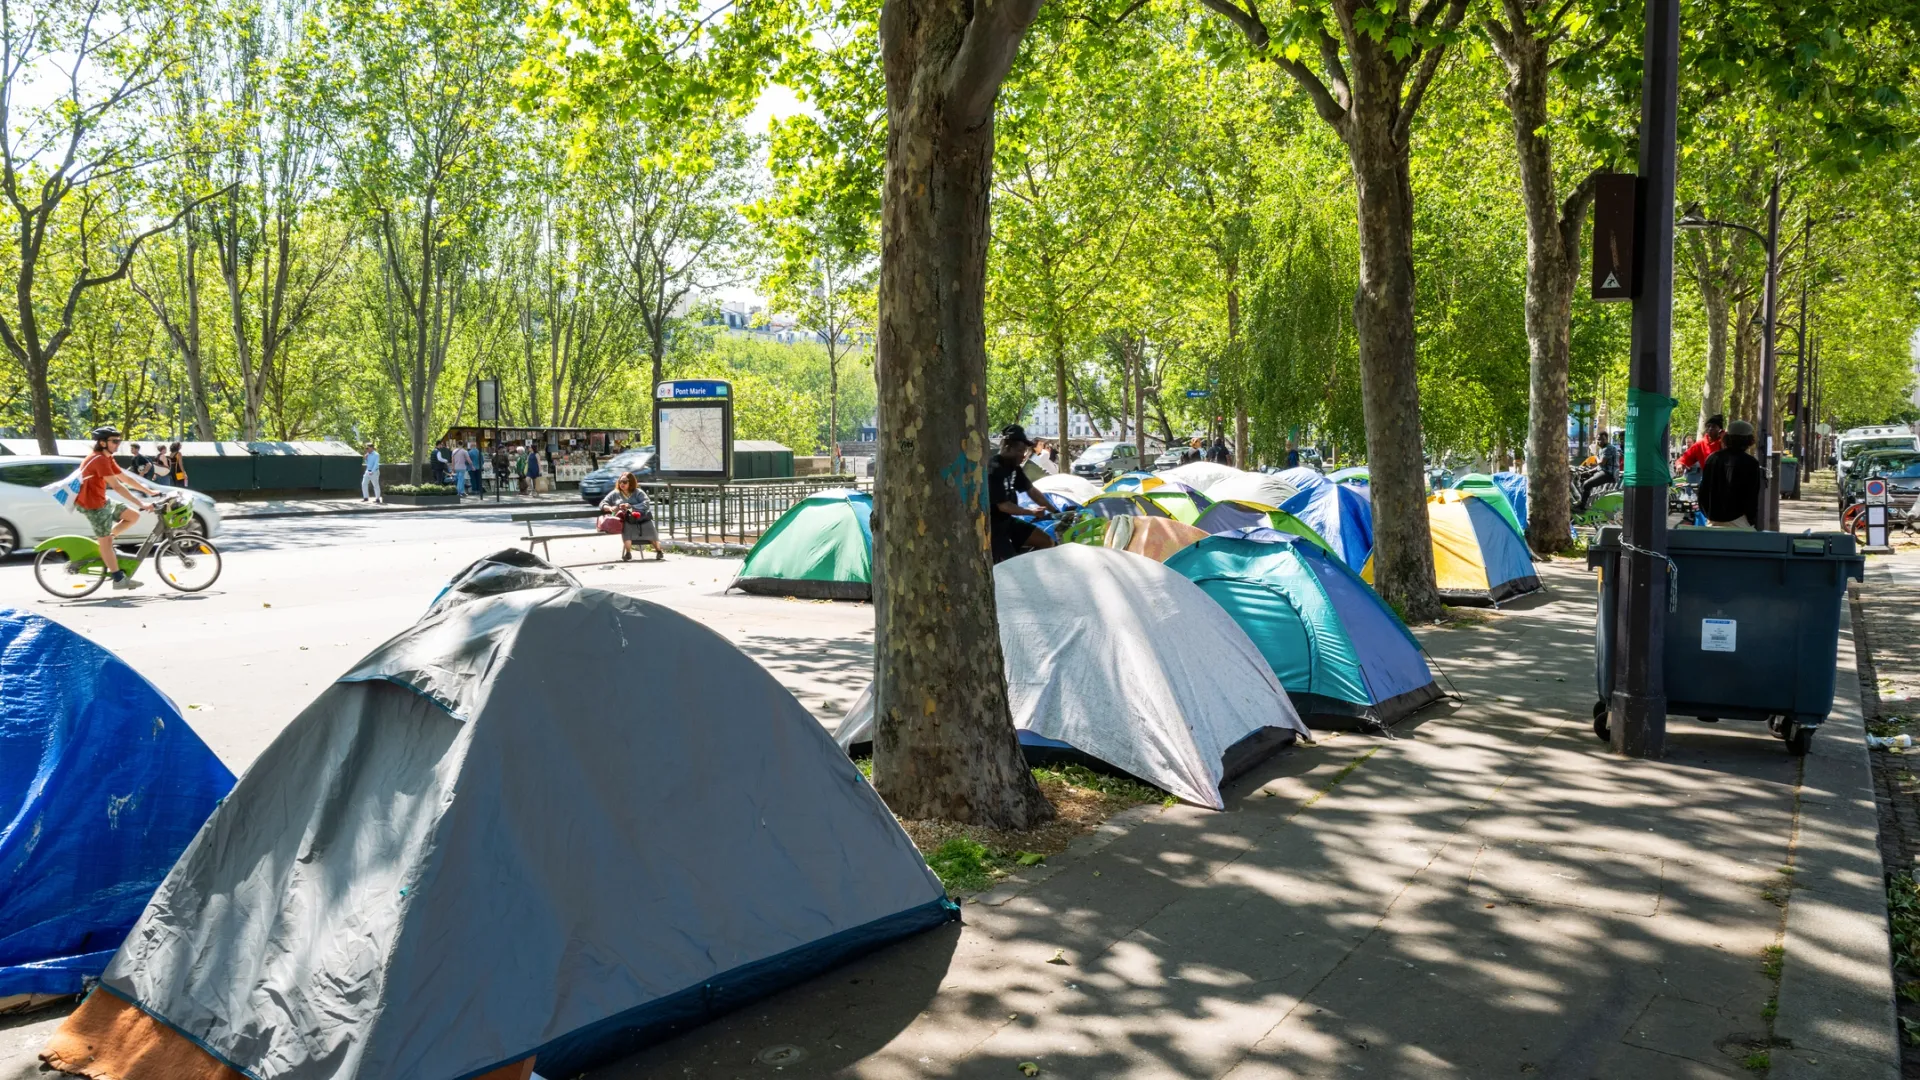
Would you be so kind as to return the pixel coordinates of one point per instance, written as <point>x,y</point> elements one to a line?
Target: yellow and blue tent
<point>1479,557</point>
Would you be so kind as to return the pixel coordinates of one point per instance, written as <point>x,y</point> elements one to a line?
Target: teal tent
<point>822,549</point>
<point>1343,656</point>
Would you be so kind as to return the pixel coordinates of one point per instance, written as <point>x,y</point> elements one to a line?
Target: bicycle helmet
<point>105,432</point>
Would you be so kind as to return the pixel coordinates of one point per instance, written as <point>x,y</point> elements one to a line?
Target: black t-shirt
<point>1730,486</point>
<point>1005,482</point>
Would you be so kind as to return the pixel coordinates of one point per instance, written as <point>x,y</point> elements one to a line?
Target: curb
<point>1836,1016</point>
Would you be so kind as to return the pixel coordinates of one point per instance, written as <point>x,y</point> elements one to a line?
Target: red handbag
<point>610,526</point>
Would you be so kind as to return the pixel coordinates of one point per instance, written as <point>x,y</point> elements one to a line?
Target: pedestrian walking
<point>1731,481</point>
<point>628,505</point>
<point>533,469</point>
<point>440,462</point>
<point>176,466</point>
<point>462,469</point>
<point>502,465</point>
<point>477,462</point>
<point>142,464</point>
<point>370,478</point>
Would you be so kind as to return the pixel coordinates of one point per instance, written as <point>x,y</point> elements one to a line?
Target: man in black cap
<point>1006,480</point>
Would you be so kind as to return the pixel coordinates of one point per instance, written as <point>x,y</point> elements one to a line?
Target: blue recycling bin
<point>1754,631</point>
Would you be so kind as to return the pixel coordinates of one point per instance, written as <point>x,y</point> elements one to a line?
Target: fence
<point>736,512</point>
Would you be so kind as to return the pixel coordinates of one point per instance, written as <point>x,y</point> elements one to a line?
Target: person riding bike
<point>1609,472</point>
<point>98,473</point>
<point>1011,533</point>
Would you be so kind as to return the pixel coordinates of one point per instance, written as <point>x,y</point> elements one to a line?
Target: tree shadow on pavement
<point>1491,894</point>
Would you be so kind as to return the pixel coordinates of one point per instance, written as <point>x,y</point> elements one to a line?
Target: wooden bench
<point>535,517</point>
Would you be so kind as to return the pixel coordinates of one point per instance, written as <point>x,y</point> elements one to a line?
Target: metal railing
<point>737,512</point>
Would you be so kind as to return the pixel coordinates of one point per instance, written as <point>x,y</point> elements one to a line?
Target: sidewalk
<point>255,509</point>
<point>1491,894</point>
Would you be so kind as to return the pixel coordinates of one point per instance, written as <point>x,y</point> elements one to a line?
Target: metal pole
<point>1770,453</point>
<point>1639,702</point>
<point>1802,410</point>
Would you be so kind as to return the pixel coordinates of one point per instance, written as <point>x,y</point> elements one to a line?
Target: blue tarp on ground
<point>102,785</point>
<point>1342,515</point>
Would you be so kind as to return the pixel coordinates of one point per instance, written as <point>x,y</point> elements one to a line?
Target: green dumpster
<point>1753,631</point>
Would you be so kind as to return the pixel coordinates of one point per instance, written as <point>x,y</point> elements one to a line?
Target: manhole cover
<point>784,1054</point>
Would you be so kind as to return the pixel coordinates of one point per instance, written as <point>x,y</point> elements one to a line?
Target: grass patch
<point>1124,788</point>
<point>968,859</point>
<point>1771,1009</point>
<point>1903,914</point>
<point>1758,1061</point>
<point>1910,992</point>
<point>1772,957</point>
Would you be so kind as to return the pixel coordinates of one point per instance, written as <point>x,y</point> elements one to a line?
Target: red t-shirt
<point>93,481</point>
<point>1697,454</point>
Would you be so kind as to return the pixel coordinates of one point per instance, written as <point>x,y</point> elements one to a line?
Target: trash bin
<point>1789,478</point>
<point>1755,629</point>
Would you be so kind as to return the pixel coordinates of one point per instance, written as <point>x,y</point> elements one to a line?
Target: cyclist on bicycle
<point>98,473</point>
<point>1609,472</point>
<point>1006,481</point>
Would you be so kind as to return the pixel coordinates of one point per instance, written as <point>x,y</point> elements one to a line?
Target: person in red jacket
<point>1714,435</point>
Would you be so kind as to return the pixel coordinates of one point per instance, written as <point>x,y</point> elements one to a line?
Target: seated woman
<point>628,503</point>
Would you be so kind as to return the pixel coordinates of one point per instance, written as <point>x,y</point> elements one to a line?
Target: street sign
<point>1876,512</point>
<point>489,403</point>
<point>692,388</point>
<point>1616,198</point>
<point>1199,393</point>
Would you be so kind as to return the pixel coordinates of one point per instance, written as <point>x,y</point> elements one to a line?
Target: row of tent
<point>823,547</point>
<point>461,861</point>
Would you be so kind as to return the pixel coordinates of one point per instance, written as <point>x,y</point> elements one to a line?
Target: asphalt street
<point>300,600</point>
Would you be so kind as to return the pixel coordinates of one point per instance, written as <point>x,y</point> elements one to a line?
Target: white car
<point>29,515</point>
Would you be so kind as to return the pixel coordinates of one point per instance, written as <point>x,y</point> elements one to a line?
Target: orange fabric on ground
<point>107,1038</point>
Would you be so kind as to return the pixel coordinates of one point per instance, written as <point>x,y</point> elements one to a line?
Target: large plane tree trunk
<point>1383,321</point>
<point>1553,260</point>
<point>944,745</point>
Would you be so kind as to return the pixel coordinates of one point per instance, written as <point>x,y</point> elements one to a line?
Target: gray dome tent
<point>464,855</point>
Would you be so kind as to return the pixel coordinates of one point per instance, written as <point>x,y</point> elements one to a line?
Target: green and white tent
<point>822,549</point>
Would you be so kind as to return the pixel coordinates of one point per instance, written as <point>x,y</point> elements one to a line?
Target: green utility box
<point>761,460</point>
<point>1754,631</point>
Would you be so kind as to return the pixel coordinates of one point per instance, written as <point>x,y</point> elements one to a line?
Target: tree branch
<point>1429,65</point>
<point>987,49</point>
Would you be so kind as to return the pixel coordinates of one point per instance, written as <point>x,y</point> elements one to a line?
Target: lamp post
<point>1769,317</point>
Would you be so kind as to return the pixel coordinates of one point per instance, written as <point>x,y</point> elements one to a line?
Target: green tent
<point>1482,485</point>
<point>822,549</point>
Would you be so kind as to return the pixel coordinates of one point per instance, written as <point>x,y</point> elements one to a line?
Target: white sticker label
<point>1717,635</point>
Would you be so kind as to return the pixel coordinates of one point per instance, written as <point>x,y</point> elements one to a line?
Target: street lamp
<point>1769,316</point>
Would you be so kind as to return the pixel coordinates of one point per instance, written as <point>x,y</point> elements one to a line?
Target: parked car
<point>1900,468</point>
<point>595,485</point>
<point>1856,441</point>
<point>29,514</point>
<point>1173,457</point>
<point>1105,460</point>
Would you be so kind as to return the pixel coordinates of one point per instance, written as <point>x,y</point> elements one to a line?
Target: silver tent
<point>554,822</point>
<point>1113,656</point>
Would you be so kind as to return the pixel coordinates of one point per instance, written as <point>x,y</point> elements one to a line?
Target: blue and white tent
<point>102,785</point>
<point>1343,516</point>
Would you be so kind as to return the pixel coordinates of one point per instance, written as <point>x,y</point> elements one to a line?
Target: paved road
<point>301,599</point>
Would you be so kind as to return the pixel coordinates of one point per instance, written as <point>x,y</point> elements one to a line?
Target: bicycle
<point>70,567</point>
<point>1899,516</point>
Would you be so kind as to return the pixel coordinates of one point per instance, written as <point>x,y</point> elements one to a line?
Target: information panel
<point>693,425</point>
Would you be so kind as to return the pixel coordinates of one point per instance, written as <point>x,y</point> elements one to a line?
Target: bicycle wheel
<point>188,563</point>
<point>68,578</point>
